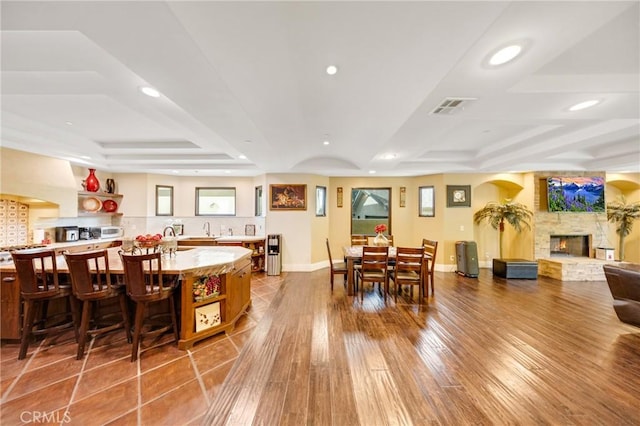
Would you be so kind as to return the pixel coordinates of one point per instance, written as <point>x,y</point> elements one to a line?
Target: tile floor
<point>165,386</point>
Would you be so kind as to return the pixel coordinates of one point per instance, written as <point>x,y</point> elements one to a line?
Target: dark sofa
<point>624,283</point>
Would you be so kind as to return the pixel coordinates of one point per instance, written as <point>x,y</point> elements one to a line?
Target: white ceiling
<point>248,78</point>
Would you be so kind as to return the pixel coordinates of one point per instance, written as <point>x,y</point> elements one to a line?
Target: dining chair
<point>147,285</point>
<point>374,268</point>
<point>430,249</point>
<point>408,270</point>
<point>37,273</point>
<point>92,284</point>
<point>359,240</point>
<point>339,268</point>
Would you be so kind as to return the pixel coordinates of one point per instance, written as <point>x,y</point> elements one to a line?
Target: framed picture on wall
<point>288,197</point>
<point>427,203</point>
<point>458,195</point>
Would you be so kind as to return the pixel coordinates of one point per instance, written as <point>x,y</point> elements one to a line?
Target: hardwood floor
<point>482,351</point>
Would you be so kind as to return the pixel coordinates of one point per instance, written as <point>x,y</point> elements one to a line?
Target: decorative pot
<point>91,182</point>
<point>109,206</point>
<point>380,240</point>
<point>111,186</point>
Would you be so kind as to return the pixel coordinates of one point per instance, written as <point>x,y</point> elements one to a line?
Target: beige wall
<point>627,185</point>
<point>304,233</point>
<point>43,178</point>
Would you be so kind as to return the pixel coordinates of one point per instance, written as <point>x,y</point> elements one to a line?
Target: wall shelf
<point>102,196</point>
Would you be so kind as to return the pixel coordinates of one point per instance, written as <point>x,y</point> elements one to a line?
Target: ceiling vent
<point>452,105</point>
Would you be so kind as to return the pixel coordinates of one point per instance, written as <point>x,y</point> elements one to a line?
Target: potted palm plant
<point>623,215</point>
<point>496,214</point>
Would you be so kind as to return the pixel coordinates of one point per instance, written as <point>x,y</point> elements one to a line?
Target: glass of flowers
<point>380,239</point>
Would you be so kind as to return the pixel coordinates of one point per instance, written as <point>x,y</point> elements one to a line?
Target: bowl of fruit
<point>148,240</point>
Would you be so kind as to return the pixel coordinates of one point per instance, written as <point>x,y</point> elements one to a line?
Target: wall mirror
<point>370,207</point>
<point>164,200</point>
<point>215,201</point>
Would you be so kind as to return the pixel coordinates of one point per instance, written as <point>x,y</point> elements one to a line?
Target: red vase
<point>91,182</point>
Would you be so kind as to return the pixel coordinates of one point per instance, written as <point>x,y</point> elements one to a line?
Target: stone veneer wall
<point>546,224</point>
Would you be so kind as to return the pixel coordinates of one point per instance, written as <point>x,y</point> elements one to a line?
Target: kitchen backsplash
<point>192,225</point>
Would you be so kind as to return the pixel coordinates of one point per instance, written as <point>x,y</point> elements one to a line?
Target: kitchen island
<point>252,242</point>
<point>215,287</point>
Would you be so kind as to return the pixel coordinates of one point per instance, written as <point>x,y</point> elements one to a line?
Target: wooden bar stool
<point>147,285</point>
<point>92,284</point>
<point>37,273</point>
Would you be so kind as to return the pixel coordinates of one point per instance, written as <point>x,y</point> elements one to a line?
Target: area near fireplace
<point>570,245</point>
<point>565,242</point>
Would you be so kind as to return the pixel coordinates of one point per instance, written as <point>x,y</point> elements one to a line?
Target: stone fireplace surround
<point>547,224</point>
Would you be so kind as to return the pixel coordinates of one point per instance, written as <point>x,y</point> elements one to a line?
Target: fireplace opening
<point>570,245</point>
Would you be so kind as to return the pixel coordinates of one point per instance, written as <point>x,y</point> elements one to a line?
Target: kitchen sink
<point>197,241</point>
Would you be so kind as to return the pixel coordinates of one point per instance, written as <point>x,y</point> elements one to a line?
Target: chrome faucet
<point>207,228</point>
<point>172,231</point>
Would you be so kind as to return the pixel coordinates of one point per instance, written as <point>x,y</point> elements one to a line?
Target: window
<point>215,201</point>
<point>370,207</point>
<point>427,202</point>
<point>258,200</point>
<point>321,200</point>
<point>164,200</point>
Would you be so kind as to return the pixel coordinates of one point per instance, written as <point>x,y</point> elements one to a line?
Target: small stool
<point>516,268</point>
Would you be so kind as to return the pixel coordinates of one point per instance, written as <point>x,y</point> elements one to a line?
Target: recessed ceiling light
<point>227,171</point>
<point>242,157</point>
<point>372,172</point>
<point>388,156</point>
<point>150,91</point>
<point>68,123</point>
<point>332,69</point>
<point>326,143</point>
<point>584,105</point>
<point>174,171</point>
<point>505,55</point>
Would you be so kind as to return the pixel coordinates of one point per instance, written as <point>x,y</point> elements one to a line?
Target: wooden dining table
<point>352,254</point>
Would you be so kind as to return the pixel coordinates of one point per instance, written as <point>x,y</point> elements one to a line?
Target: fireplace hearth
<point>570,245</point>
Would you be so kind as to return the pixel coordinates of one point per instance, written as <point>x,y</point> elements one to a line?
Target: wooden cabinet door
<point>10,306</point>
<point>236,289</point>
